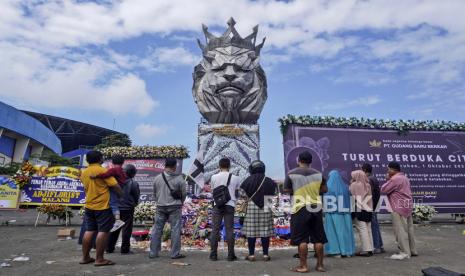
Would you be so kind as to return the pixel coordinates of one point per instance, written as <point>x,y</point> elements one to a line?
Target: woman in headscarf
<point>361,191</point>
<point>338,220</point>
<point>258,222</point>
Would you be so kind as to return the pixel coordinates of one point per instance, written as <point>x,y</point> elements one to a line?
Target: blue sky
<point>132,61</point>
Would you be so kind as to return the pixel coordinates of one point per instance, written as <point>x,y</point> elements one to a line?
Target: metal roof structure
<point>73,134</point>
<point>17,122</point>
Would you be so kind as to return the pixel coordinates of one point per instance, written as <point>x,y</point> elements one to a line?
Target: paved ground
<point>439,245</point>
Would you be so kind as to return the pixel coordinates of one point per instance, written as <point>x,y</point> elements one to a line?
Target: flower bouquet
<point>23,175</point>
<point>145,211</point>
<point>55,211</point>
<point>423,213</point>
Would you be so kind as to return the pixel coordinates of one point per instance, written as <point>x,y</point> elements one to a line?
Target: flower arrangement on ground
<point>144,211</point>
<point>55,211</point>
<point>423,213</point>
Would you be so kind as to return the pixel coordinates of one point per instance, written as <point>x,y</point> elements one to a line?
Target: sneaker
<point>379,251</point>
<point>213,257</point>
<point>400,256</point>
<point>232,258</point>
<point>180,256</point>
<point>152,255</point>
<point>118,224</point>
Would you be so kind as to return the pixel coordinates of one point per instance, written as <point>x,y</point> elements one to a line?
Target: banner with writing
<point>9,194</point>
<point>434,161</point>
<point>60,185</point>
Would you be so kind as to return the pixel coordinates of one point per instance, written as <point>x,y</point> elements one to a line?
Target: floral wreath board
<point>135,152</point>
<point>403,126</point>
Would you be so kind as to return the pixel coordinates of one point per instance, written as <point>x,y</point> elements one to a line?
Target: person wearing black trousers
<point>128,202</point>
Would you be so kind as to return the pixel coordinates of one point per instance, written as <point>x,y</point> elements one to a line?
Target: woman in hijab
<point>338,220</point>
<point>258,222</point>
<point>361,191</point>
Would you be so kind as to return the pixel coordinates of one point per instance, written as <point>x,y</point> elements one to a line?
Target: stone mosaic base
<point>240,143</point>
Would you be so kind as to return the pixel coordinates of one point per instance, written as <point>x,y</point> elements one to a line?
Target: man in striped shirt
<point>306,185</point>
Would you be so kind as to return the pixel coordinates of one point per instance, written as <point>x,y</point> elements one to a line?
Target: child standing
<point>117,172</point>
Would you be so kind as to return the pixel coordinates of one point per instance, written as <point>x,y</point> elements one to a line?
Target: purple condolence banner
<point>434,161</point>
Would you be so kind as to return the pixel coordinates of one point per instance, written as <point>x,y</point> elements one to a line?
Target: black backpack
<point>221,194</point>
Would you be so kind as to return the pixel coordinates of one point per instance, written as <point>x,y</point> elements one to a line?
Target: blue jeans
<point>173,215</point>
<point>377,239</point>
<point>114,202</point>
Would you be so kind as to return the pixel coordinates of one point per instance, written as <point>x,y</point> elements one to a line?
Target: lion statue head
<point>229,83</point>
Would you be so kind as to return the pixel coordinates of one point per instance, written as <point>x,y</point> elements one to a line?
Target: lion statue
<point>229,83</point>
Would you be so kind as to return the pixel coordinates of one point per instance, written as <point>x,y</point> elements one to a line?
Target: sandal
<point>299,270</point>
<point>89,261</point>
<point>250,258</point>
<point>105,263</point>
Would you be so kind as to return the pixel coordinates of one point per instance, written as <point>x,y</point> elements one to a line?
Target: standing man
<point>170,192</point>
<point>375,191</point>
<point>397,188</point>
<point>98,215</point>
<point>224,178</point>
<point>126,206</point>
<point>306,185</point>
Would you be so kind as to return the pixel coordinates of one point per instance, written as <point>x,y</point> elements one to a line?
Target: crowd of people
<point>325,210</point>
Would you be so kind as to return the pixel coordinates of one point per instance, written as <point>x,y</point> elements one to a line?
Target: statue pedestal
<point>238,142</point>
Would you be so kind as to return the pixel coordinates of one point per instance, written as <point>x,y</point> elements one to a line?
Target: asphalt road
<point>439,245</point>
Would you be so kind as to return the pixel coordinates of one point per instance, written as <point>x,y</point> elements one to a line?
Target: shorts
<point>99,220</point>
<point>307,227</point>
<point>114,202</point>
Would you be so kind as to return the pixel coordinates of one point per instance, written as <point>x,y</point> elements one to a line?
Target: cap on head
<point>257,166</point>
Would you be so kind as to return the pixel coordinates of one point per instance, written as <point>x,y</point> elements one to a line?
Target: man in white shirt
<point>226,212</point>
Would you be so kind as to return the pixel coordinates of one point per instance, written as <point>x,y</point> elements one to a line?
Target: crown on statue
<point>230,38</point>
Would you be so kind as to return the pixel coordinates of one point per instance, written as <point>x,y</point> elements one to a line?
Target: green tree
<point>10,169</point>
<point>115,140</point>
<point>56,160</point>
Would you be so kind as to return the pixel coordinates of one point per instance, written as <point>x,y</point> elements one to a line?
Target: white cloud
<point>424,40</point>
<point>146,131</point>
<point>358,102</point>
<point>86,83</point>
<point>165,59</point>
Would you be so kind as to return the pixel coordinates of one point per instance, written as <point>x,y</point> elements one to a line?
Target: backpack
<point>221,194</point>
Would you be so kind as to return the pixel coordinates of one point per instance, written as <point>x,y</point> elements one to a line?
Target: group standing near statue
<point>331,232</point>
